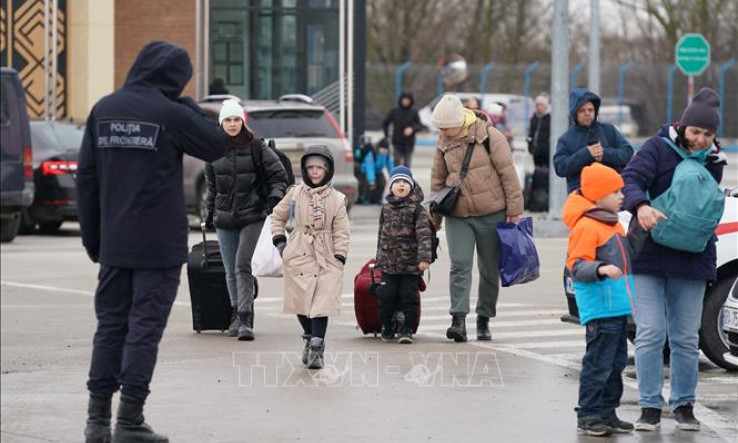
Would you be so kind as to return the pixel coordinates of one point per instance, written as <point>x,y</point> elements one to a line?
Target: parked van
<point>16,167</point>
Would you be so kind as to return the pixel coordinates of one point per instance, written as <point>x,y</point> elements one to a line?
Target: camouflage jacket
<point>404,239</point>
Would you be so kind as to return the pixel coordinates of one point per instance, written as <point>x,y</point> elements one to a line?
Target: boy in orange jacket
<point>599,255</point>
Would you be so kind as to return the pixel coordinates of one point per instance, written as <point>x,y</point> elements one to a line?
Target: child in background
<point>404,252</point>
<point>599,257</point>
<point>374,163</point>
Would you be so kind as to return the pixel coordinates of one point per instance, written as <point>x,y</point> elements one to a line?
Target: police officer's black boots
<point>457,331</point>
<point>130,426</point>
<point>315,353</point>
<point>483,333</point>
<point>246,328</point>
<point>306,349</point>
<point>235,323</point>
<point>98,419</point>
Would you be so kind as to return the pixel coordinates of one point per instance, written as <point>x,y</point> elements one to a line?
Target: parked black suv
<point>16,167</point>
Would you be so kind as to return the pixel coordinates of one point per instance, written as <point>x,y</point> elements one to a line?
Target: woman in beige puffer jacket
<point>490,193</point>
<point>316,251</point>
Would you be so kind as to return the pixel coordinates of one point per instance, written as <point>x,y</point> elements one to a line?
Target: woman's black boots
<point>457,331</point>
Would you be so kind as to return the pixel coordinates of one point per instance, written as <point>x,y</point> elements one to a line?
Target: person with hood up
<point>599,258</point>
<point>587,140</point>
<point>133,219</point>
<point>314,214</point>
<point>670,283</point>
<point>243,188</point>
<point>405,122</point>
<point>374,162</point>
<point>490,193</point>
<point>404,252</point>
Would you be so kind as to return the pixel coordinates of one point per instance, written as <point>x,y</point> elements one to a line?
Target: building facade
<point>255,49</point>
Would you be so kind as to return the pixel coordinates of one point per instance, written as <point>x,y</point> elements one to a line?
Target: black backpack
<point>286,163</point>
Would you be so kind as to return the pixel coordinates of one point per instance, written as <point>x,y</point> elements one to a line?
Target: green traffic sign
<point>692,54</point>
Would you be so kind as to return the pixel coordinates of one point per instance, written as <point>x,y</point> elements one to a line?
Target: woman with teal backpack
<point>671,185</point>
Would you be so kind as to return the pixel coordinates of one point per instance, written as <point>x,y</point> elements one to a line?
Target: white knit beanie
<point>448,112</point>
<point>230,108</point>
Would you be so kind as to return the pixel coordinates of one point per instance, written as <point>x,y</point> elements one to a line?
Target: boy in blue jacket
<point>598,258</point>
<point>373,165</point>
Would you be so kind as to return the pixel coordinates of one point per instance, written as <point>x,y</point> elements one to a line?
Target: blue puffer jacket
<point>571,148</point>
<point>649,174</point>
<point>374,163</point>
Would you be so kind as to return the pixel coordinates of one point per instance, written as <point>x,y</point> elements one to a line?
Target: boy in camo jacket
<point>404,251</point>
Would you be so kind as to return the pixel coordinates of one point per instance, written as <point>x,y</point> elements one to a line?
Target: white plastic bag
<point>266,261</point>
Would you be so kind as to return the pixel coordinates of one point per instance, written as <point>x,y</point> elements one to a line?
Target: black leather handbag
<point>444,201</point>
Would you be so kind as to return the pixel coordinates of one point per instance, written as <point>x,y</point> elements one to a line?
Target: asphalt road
<point>521,386</point>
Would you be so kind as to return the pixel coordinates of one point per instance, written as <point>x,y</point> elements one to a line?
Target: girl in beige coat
<point>316,251</point>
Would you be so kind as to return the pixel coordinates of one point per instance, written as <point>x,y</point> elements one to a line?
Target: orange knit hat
<point>599,180</point>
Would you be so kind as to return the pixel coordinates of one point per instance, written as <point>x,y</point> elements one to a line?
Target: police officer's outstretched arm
<point>88,194</point>
<point>199,135</point>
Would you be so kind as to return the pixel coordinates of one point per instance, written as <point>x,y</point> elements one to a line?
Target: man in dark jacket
<point>133,220</point>
<point>405,123</point>
<point>588,140</point>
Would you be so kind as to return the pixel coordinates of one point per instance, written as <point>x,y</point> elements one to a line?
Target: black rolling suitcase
<point>211,305</point>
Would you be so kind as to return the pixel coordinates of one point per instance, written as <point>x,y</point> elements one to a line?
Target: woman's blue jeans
<point>673,307</point>
<point>237,248</point>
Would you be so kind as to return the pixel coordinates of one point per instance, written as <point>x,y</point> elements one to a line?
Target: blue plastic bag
<point>518,256</point>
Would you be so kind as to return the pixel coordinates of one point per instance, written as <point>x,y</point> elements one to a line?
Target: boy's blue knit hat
<point>402,173</point>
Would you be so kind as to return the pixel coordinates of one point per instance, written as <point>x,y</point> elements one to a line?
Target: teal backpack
<point>693,204</point>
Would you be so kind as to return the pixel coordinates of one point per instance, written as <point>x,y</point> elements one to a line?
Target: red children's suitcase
<point>366,300</point>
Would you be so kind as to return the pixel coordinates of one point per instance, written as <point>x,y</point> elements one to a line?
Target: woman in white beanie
<point>490,193</point>
<point>241,193</point>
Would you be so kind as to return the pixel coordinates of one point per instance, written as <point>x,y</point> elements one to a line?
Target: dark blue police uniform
<point>132,211</point>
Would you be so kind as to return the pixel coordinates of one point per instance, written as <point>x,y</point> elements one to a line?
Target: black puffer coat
<point>400,118</point>
<point>235,189</point>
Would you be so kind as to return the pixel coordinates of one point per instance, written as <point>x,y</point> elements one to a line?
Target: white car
<point>727,284</point>
<point>730,325</point>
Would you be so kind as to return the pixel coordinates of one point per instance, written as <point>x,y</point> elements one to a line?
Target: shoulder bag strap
<point>467,160</point>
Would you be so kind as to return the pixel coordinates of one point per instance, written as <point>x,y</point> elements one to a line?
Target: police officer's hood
<point>323,151</point>
<point>163,66</point>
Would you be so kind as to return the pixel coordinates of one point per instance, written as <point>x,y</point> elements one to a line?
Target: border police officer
<point>133,220</point>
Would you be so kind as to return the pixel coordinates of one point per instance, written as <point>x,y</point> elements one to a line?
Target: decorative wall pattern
<point>22,33</point>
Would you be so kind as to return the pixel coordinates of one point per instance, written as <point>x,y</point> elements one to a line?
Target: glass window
<point>229,43</point>
<point>262,49</point>
<point>4,104</point>
<point>323,4</point>
<point>69,135</point>
<point>291,123</point>
<point>322,50</point>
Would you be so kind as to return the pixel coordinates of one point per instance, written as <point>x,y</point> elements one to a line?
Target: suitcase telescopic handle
<point>204,228</point>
